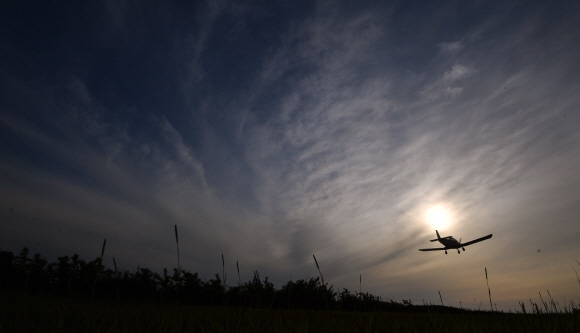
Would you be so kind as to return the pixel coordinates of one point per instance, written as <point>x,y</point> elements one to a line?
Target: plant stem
<point>488,290</point>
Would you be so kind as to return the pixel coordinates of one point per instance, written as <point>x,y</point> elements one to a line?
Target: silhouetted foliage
<point>74,277</point>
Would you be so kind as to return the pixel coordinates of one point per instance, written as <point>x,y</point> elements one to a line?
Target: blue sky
<point>272,132</point>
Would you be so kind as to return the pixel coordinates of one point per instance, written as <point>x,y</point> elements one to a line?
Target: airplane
<point>452,243</point>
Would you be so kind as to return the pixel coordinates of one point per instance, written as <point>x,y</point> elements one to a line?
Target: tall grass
<point>98,268</point>
<point>45,312</point>
<point>117,280</point>
<point>223,271</point>
<point>178,266</point>
<point>488,290</point>
<point>50,314</point>
<point>318,267</point>
<point>575,271</point>
<point>103,248</point>
<point>547,317</point>
<point>177,242</point>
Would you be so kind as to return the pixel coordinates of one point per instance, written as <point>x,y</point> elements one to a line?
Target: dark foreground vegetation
<point>72,295</point>
<point>73,277</point>
<point>25,313</point>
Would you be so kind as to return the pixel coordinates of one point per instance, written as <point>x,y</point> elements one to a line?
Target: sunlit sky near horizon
<point>272,131</point>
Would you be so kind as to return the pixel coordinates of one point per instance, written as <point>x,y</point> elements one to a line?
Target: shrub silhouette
<point>74,277</point>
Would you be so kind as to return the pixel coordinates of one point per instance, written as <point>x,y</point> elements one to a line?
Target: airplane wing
<point>434,249</point>
<point>477,240</point>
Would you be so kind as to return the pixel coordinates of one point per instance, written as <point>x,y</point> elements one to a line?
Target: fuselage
<point>450,242</point>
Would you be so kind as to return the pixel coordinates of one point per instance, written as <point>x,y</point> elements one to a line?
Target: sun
<point>438,217</point>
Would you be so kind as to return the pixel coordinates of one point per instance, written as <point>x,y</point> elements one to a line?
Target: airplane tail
<point>438,237</point>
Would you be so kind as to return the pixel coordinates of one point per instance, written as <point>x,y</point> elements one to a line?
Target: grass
<point>25,313</point>
<point>318,267</point>
<point>177,242</point>
<point>488,290</point>
<point>41,312</point>
<point>100,263</point>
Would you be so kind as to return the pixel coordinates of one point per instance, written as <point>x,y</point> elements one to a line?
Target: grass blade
<point>577,276</point>
<point>488,290</point>
<point>178,267</point>
<point>177,242</point>
<point>98,268</point>
<point>223,271</point>
<point>318,267</point>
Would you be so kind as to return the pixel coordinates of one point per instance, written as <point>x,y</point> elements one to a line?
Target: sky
<point>270,132</point>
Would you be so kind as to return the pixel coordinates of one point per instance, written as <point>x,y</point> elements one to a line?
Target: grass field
<point>22,313</point>
<point>72,295</point>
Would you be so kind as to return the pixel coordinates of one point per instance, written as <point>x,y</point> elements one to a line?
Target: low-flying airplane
<point>452,243</point>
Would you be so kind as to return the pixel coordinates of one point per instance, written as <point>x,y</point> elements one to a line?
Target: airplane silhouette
<point>452,243</point>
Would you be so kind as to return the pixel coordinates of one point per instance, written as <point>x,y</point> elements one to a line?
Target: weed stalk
<point>177,242</point>
<point>223,271</point>
<point>98,267</point>
<point>318,267</point>
<point>178,267</point>
<point>238,267</point>
<point>575,271</point>
<point>117,279</point>
<point>488,290</point>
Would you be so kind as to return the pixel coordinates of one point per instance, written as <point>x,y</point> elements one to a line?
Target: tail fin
<point>438,237</point>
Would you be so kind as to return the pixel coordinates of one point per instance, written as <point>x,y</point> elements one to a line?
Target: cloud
<point>443,86</point>
<point>184,153</point>
<point>328,138</point>
<point>451,47</point>
<point>457,72</point>
<point>366,162</point>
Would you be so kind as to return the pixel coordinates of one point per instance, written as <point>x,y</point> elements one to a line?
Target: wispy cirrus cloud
<point>365,162</point>
<point>451,47</point>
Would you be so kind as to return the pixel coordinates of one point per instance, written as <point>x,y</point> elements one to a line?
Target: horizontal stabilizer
<point>436,239</point>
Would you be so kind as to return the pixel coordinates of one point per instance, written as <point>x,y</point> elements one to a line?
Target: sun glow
<point>438,217</point>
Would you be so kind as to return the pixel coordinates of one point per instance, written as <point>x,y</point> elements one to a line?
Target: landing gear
<point>463,249</point>
<point>445,251</point>
<point>459,252</point>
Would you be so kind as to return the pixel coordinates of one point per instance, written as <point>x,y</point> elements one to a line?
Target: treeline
<point>74,277</point>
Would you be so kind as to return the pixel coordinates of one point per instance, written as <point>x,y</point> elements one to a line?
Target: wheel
<point>445,252</point>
